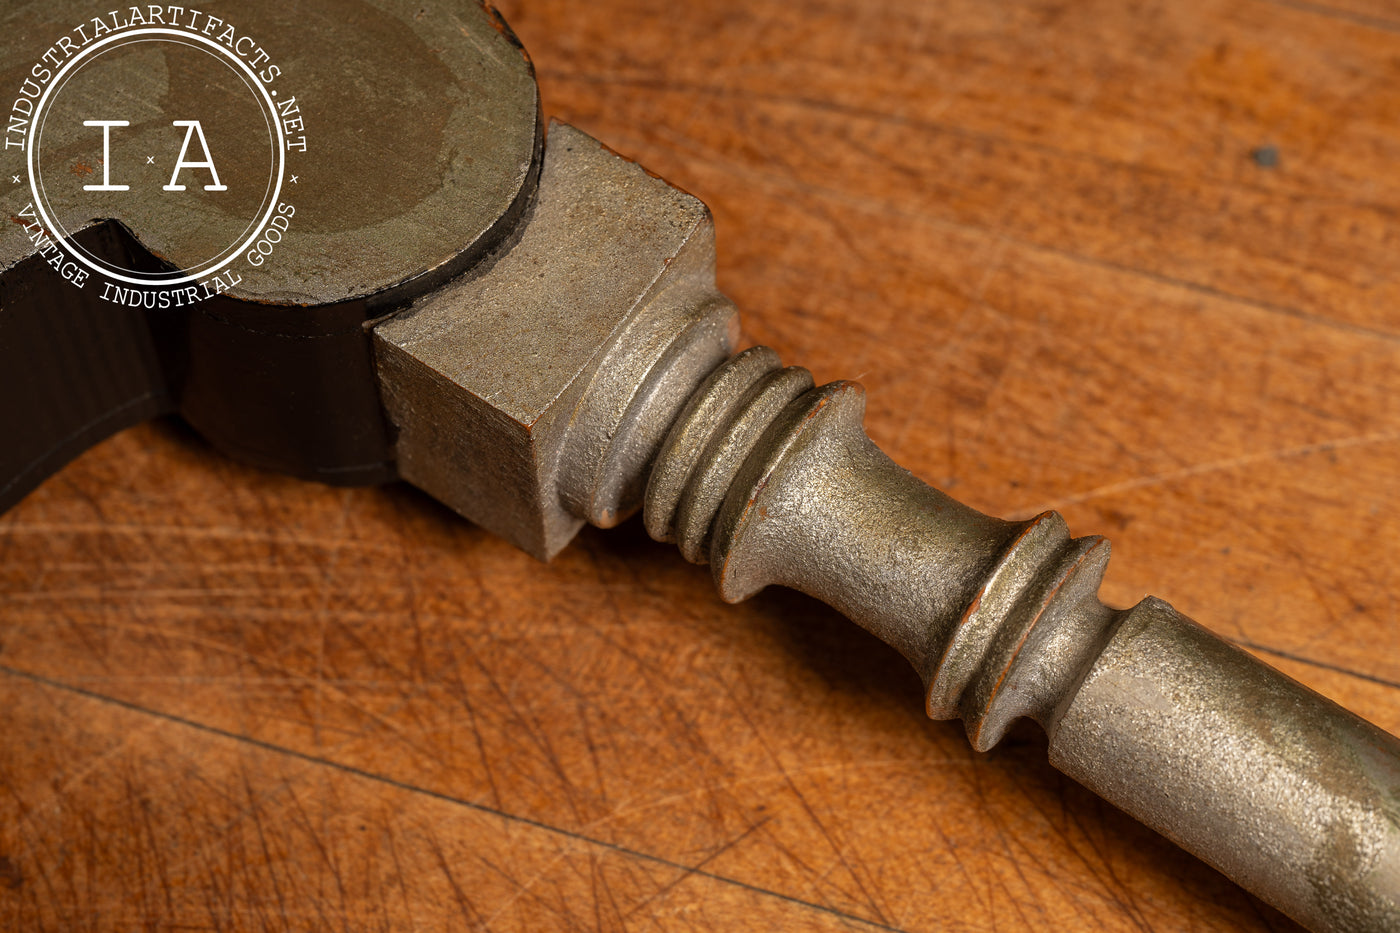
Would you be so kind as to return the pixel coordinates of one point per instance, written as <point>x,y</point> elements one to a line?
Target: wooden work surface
<point>1046,238</point>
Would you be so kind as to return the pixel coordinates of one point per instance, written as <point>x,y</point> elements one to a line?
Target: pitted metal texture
<point>1287,793</point>
<point>566,359</point>
<point>561,387</point>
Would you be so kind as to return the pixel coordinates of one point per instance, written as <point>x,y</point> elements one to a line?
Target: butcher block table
<point>1139,263</point>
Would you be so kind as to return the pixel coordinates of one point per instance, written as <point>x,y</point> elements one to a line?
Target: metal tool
<point>531,333</point>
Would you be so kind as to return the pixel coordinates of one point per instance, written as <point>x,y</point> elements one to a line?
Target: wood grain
<point>1040,235</point>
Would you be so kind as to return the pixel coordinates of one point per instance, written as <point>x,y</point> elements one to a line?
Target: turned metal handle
<point>1286,792</point>
<point>775,482</point>
<point>584,373</point>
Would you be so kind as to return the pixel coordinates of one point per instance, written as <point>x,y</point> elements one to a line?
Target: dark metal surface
<point>73,368</point>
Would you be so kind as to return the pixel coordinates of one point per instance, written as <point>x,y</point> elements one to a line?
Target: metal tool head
<point>215,202</point>
<point>407,153</point>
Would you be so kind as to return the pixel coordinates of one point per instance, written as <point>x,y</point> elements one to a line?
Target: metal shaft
<point>587,372</point>
<point>536,333</point>
<point>775,482</point>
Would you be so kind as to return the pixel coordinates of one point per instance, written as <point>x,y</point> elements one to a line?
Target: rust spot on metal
<point>500,25</point>
<point>81,168</point>
<point>29,225</point>
<point>936,670</point>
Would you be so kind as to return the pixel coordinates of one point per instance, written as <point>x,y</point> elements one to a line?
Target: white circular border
<point>267,98</point>
<point>232,250</point>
